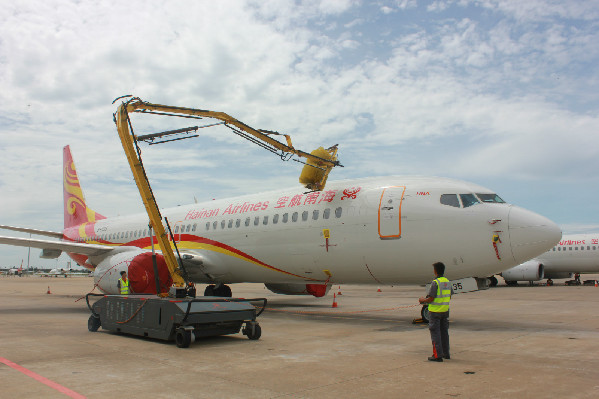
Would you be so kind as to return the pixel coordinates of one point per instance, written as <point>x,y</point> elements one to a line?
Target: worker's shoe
<point>435,359</point>
<point>446,357</point>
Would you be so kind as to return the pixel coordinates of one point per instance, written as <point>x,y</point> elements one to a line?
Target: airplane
<point>15,272</point>
<point>384,230</point>
<point>60,273</point>
<point>574,254</point>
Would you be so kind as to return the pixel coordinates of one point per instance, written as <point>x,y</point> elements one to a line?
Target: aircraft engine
<point>140,270</point>
<point>317,290</point>
<point>527,271</point>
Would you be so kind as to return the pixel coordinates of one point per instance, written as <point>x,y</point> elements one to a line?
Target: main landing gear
<point>221,290</point>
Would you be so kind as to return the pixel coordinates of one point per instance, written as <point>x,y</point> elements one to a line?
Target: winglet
<point>76,211</point>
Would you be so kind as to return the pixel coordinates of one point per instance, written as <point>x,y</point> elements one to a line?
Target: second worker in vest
<point>438,298</point>
<point>123,284</point>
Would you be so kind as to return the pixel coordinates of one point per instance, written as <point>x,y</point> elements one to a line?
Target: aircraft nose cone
<point>531,234</point>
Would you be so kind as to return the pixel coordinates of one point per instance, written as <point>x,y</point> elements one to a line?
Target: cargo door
<point>390,212</point>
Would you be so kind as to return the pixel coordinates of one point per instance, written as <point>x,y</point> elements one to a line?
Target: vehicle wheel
<point>424,313</point>
<point>256,334</point>
<point>493,281</point>
<point>93,323</point>
<point>511,283</point>
<point>183,338</point>
<point>209,291</point>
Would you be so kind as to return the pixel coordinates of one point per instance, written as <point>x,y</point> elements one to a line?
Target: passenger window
<point>238,223</point>
<point>207,225</point>
<point>468,200</point>
<point>285,217</point>
<point>195,225</point>
<point>135,234</point>
<point>222,224</point>
<point>176,229</point>
<point>559,248</point>
<point>214,224</point>
<point>326,213</point>
<point>450,199</point>
<point>265,220</point>
<point>256,220</point>
<point>230,223</point>
<point>315,215</point>
<point>247,222</point>
<point>275,219</point>
<point>188,228</point>
<point>338,212</point>
<point>304,216</point>
<point>294,217</point>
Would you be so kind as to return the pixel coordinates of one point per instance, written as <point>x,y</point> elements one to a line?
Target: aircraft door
<point>389,214</point>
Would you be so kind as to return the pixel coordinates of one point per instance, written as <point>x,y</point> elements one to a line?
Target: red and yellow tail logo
<point>76,211</point>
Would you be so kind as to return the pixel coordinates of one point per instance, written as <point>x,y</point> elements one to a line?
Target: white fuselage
<point>577,253</point>
<point>376,230</point>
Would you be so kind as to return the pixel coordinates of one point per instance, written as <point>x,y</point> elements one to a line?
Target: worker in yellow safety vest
<point>438,298</point>
<point>123,284</point>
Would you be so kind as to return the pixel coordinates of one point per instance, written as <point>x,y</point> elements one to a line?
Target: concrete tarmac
<point>506,342</point>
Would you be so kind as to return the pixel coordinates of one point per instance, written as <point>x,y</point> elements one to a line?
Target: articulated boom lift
<point>317,167</point>
<point>185,317</point>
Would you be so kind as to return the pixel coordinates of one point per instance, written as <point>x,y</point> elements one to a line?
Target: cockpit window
<point>490,198</point>
<point>450,199</point>
<point>468,200</point>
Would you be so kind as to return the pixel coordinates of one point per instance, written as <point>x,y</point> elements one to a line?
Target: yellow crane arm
<point>127,139</point>
<point>314,175</point>
<point>319,162</point>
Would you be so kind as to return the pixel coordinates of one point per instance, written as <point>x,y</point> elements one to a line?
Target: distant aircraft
<point>574,254</point>
<point>16,272</point>
<point>386,230</point>
<point>58,273</point>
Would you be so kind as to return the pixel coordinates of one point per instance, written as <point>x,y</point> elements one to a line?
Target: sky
<point>504,94</point>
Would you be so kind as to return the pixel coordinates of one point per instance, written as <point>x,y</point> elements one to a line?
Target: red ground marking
<point>41,379</point>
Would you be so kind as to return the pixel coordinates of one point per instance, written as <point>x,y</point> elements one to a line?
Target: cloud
<point>471,89</point>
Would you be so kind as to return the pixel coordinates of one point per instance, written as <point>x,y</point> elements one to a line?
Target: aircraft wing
<point>33,231</point>
<point>71,247</point>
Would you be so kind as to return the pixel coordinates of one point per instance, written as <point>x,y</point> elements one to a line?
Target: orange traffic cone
<point>379,290</point>
<point>596,285</point>
<point>48,292</point>
<point>339,292</point>
<point>334,301</point>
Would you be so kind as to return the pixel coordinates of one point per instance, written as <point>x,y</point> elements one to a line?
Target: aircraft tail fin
<point>76,211</point>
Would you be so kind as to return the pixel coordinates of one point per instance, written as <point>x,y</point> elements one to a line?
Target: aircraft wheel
<point>255,334</point>
<point>424,313</point>
<point>209,291</point>
<point>224,291</point>
<point>183,338</point>
<point>93,323</point>
<point>493,281</point>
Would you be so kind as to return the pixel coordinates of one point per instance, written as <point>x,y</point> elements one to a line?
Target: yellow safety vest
<point>441,301</point>
<point>124,287</point>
